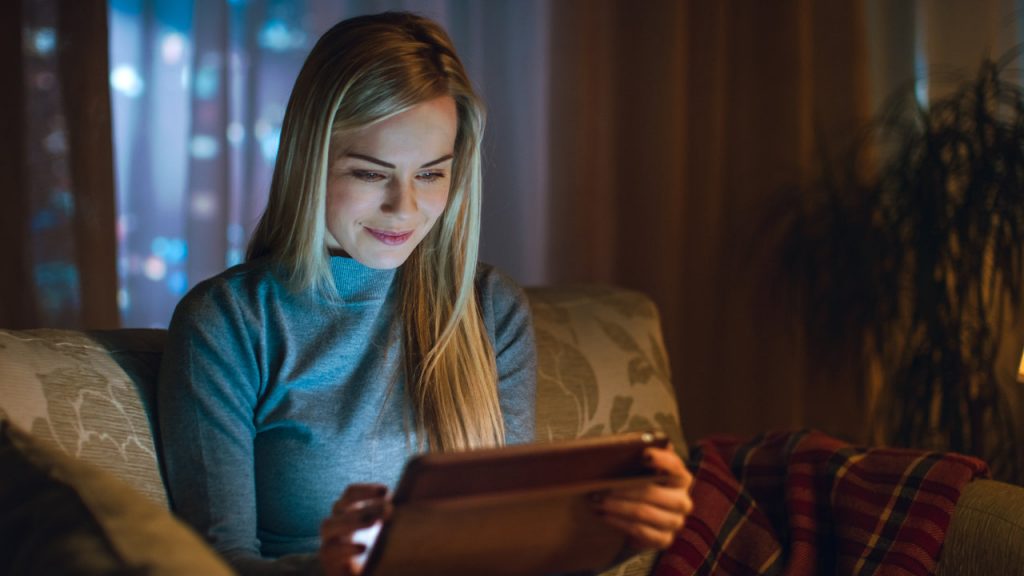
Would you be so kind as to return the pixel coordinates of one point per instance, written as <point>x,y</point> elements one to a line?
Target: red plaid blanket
<point>804,503</point>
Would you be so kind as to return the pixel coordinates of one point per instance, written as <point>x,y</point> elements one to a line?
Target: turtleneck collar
<point>359,283</point>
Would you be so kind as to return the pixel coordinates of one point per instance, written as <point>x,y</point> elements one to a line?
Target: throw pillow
<point>60,516</point>
<point>80,394</point>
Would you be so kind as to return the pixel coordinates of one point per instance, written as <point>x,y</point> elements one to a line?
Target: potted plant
<point>911,259</point>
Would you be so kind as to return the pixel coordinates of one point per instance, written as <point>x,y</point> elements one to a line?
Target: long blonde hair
<point>361,71</point>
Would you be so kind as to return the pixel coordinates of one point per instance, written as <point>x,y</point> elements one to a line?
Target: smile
<point>390,238</point>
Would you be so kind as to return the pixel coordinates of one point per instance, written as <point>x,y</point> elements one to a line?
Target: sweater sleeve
<point>507,311</point>
<point>210,380</point>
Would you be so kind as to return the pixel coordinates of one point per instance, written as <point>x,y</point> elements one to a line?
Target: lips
<point>388,237</point>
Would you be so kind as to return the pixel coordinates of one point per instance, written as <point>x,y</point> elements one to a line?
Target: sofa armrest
<point>986,534</point>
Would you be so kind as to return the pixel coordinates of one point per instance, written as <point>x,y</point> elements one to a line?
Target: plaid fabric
<point>804,503</point>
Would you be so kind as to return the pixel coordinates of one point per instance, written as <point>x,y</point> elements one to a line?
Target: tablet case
<point>509,511</point>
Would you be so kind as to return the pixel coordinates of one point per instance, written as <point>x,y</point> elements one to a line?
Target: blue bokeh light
<point>269,143</point>
<point>177,282</point>
<point>277,36</point>
<point>204,147</point>
<point>63,201</point>
<point>234,257</point>
<point>207,82</point>
<point>43,220</point>
<point>126,80</point>
<point>171,250</point>
<point>58,286</point>
<point>44,41</point>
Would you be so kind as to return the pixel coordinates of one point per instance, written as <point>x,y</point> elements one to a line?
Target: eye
<point>367,175</point>
<point>431,176</point>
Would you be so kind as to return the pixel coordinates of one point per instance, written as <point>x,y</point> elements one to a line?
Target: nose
<point>400,199</point>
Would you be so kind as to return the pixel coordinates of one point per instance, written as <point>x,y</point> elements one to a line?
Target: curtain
<point>57,227</point>
<point>708,110</point>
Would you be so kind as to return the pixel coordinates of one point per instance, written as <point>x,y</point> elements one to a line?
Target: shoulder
<point>498,288</point>
<point>503,303</point>
<point>231,291</point>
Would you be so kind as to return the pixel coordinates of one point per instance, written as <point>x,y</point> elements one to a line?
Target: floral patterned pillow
<point>68,391</point>
<point>602,367</point>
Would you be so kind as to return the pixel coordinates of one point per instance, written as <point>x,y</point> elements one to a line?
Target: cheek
<point>435,204</point>
<point>335,199</point>
<point>345,203</point>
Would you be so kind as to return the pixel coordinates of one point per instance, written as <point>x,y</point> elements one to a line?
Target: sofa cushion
<point>986,531</point>
<point>602,367</point>
<point>67,389</point>
<point>59,515</point>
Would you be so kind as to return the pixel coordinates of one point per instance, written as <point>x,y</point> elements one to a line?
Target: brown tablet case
<point>520,510</point>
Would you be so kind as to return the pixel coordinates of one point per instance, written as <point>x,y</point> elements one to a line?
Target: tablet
<point>510,511</point>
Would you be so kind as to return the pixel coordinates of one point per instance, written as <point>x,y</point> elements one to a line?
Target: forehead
<point>427,130</point>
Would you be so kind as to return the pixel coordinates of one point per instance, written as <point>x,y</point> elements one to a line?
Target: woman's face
<point>390,182</point>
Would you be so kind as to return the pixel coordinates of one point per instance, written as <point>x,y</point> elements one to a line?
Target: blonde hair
<point>361,71</point>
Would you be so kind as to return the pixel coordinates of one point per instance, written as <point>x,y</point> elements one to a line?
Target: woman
<point>360,329</point>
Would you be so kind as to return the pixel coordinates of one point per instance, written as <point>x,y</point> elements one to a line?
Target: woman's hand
<point>361,506</point>
<point>651,515</point>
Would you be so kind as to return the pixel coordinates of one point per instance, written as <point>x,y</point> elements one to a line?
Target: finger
<point>342,507</point>
<point>641,512</point>
<point>363,512</point>
<point>338,558</point>
<point>363,491</point>
<point>341,525</point>
<point>357,492</point>
<point>667,463</point>
<point>342,549</point>
<point>641,536</point>
<point>671,498</point>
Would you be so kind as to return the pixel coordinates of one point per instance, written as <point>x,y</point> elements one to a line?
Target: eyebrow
<point>380,162</point>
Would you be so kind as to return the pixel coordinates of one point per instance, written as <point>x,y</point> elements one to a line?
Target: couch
<point>80,407</point>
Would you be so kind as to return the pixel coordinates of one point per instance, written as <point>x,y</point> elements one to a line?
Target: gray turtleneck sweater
<point>270,402</point>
